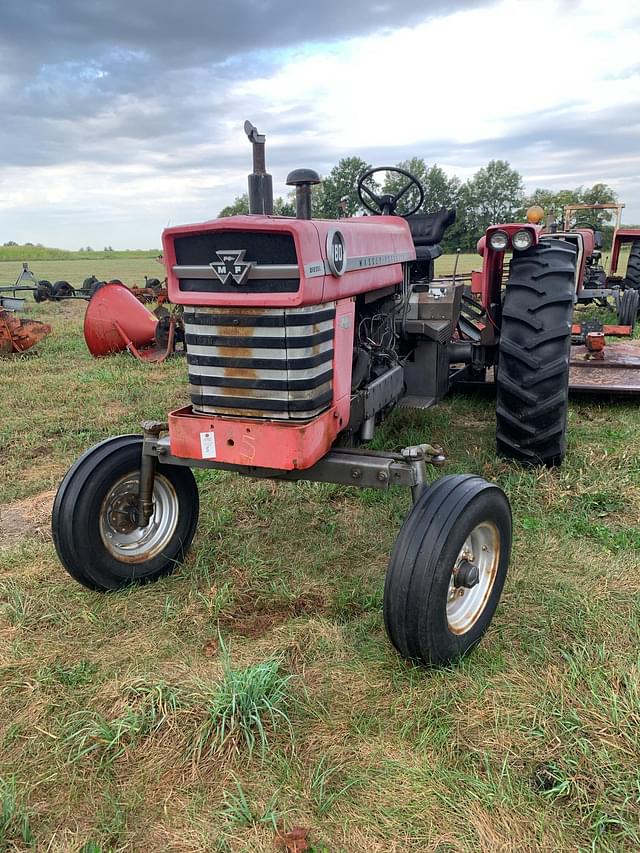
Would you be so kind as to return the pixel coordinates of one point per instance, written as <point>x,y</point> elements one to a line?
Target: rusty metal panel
<point>617,371</point>
<point>19,335</point>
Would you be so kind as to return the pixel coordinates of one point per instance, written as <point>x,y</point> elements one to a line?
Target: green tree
<point>281,206</point>
<point>553,202</point>
<point>340,183</point>
<point>493,195</point>
<point>598,194</point>
<point>285,207</point>
<point>240,204</point>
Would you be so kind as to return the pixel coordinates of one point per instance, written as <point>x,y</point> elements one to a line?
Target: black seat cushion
<point>427,229</point>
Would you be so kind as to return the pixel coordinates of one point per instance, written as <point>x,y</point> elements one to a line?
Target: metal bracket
<point>365,469</point>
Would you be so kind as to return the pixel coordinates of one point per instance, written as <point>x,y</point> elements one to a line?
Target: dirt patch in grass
<point>251,619</point>
<point>28,517</point>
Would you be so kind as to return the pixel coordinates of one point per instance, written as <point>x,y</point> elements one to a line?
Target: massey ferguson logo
<point>231,268</point>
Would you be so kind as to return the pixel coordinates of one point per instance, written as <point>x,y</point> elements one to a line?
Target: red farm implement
<point>17,335</point>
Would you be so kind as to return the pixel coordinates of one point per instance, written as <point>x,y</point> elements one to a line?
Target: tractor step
<point>412,401</point>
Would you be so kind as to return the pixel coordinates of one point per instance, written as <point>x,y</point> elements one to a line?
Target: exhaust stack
<point>260,182</point>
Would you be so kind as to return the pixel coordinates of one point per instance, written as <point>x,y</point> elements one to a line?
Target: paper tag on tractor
<point>208,445</point>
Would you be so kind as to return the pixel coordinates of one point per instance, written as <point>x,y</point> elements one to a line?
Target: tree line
<point>493,195</point>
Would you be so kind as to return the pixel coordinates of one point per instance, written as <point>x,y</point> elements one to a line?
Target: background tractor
<point>594,284</point>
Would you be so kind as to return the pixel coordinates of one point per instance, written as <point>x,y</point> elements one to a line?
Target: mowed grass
<point>254,691</point>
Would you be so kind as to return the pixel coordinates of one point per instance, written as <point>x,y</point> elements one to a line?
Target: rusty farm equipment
<point>594,284</point>
<point>117,321</point>
<point>301,336</point>
<point>17,336</point>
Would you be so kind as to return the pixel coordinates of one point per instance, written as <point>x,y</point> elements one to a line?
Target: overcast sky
<point>118,117</point>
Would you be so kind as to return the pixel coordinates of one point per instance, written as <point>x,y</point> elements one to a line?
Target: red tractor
<point>517,326</point>
<point>302,335</point>
<point>593,283</point>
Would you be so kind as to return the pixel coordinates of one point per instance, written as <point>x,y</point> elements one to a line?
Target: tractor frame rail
<point>366,469</point>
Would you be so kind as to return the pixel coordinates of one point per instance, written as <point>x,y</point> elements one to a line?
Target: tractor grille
<point>262,362</point>
<point>272,252</point>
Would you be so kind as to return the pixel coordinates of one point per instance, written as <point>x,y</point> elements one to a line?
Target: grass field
<point>118,727</point>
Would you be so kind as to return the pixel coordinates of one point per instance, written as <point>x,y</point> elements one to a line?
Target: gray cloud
<point>141,71</point>
<point>109,83</point>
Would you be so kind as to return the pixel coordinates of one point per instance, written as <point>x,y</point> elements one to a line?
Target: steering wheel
<point>386,204</point>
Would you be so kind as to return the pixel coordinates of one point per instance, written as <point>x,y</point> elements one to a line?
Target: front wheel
<point>94,525</point>
<point>447,569</point>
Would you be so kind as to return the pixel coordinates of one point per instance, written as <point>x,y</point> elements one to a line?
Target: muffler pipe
<point>260,182</point>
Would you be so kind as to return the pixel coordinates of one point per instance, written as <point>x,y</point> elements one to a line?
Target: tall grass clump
<point>243,709</point>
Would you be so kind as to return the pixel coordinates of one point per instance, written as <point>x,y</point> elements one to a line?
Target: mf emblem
<point>231,268</point>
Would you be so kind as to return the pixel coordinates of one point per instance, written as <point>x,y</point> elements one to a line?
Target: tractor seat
<point>427,229</point>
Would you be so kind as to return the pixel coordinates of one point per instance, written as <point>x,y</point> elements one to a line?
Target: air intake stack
<point>303,180</point>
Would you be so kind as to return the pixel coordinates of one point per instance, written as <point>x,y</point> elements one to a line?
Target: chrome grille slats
<point>266,362</point>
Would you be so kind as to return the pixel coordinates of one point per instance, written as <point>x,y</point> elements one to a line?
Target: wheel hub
<point>119,528</point>
<point>467,575</point>
<point>123,514</point>
<point>472,577</point>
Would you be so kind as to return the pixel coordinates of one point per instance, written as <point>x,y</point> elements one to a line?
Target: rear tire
<point>458,521</point>
<point>532,380</point>
<point>96,540</point>
<point>628,307</point>
<point>632,275</point>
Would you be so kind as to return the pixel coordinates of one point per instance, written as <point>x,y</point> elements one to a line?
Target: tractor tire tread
<point>533,372</point>
<point>632,275</point>
<point>414,618</point>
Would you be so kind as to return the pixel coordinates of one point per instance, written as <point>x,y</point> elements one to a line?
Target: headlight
<point>522,240</point>
<point>499,240</point>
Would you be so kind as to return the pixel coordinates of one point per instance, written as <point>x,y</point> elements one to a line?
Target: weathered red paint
<point>489,282</point>
<point>115,320</point>
<point>268,443</point>
<point>622,236</point>
<point>365,236</point>
<point>253,442</point>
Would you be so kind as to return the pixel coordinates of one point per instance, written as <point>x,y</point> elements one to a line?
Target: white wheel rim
<point>121,537</point>
<point>465,605</point>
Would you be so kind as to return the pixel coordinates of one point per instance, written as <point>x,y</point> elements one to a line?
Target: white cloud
<point>445,89</point>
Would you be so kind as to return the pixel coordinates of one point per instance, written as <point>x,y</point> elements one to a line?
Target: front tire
<point>94,531</point>
<point>447,569</point>
<point>532,381</point>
